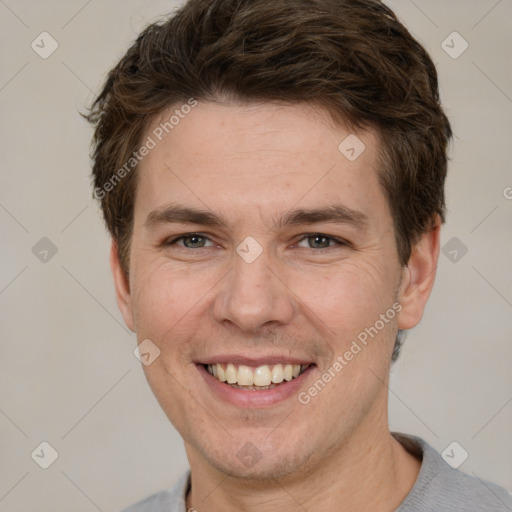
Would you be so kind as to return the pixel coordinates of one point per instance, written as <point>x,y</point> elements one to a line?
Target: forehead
<point>230,158</point>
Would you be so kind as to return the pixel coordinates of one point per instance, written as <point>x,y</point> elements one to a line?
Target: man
<point>272,175</point>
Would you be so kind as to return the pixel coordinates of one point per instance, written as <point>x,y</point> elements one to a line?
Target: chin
<point>253,465</point>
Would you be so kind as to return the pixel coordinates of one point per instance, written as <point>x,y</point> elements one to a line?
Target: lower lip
<point>252,398</point>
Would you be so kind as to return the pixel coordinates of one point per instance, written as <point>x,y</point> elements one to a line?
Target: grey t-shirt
<point>438,488</point>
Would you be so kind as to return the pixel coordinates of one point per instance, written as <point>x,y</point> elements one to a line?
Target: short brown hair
<point>351,57</point>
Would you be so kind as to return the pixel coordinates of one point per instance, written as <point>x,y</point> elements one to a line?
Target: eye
<point>321,241</point>
<point>196,240</point>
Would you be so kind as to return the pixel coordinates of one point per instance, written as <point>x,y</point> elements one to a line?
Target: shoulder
<point>442,488</point>
<point>170,500</point>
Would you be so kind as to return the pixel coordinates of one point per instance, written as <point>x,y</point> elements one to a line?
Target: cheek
<point>166,299</point>
<point>348,297</point>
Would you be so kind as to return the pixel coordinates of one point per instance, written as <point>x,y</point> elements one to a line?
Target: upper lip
<point>238,359</point>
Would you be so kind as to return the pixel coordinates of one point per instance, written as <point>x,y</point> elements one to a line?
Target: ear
<point>122,286</point>
<point>418,277</point>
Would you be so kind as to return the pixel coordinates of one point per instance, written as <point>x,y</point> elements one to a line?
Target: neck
<point>369,472</point>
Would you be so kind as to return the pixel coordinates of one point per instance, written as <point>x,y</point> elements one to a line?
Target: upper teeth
<point>261,376</point>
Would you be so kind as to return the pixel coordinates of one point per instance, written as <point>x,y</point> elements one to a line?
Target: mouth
<point>260,381</point>
<point>256,378</point>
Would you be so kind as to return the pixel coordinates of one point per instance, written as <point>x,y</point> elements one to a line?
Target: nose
<point>254,295</point>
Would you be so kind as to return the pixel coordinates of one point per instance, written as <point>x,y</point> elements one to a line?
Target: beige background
<point>68,375</point>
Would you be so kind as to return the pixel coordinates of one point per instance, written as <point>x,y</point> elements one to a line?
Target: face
<point>289,260</point>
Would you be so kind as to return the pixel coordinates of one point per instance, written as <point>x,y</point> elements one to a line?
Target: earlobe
<point>418,277</point>
<point>122,286</point>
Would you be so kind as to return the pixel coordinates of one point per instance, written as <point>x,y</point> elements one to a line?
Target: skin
<point>302,296</point>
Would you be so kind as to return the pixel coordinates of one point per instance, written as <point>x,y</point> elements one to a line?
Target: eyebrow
<point>334,213</point>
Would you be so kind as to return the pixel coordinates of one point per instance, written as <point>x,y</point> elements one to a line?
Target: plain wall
<point>68,375</point>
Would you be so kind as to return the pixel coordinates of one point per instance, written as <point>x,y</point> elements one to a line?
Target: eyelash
<point>338,241</point>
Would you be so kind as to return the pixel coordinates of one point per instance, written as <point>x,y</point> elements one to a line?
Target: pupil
<point>318,237</point>
<point>194,239</point>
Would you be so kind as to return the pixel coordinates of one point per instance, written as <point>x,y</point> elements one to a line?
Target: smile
<point>255,378</point>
